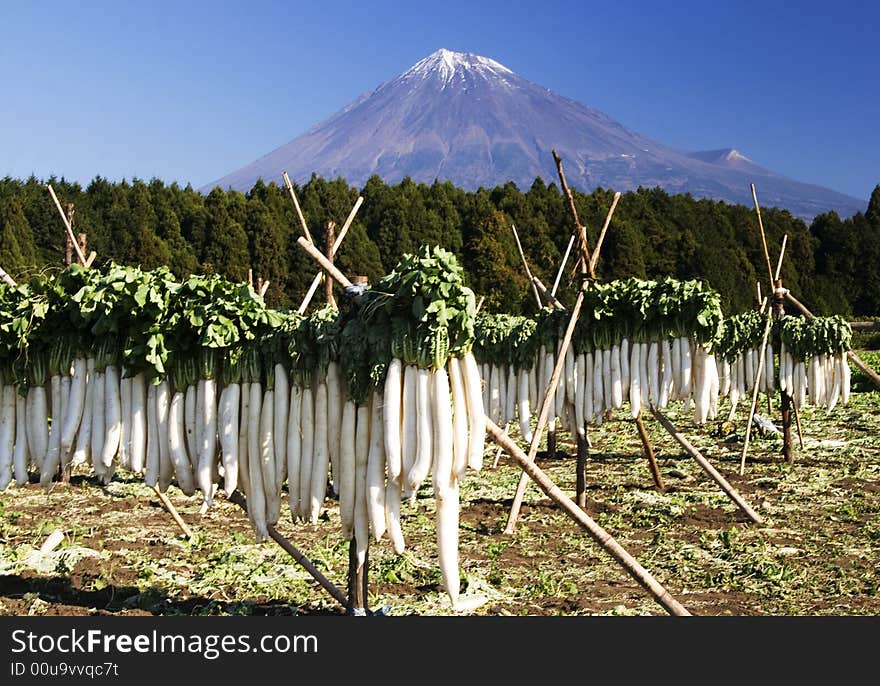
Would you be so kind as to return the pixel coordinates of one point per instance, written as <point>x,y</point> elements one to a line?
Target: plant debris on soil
<point>815,554</point>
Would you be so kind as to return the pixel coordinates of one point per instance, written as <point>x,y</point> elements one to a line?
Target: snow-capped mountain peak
<point>445,65</point>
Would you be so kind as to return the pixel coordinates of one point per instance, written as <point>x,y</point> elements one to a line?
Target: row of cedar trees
<point>833,265</point>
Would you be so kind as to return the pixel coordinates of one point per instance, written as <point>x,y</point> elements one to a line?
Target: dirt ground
<point>815,554</point>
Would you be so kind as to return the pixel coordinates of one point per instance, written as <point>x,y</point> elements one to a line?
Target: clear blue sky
<point>189,91</point>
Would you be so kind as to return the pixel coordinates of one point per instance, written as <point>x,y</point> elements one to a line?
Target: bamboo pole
<point>649,453</point>
<point>500,449</point>
<point>756,389</point>
<point>763,236</point>
<point>545,412</point>
<point>580,486</point>
<point>328,283</point>
<point>706,466</point>
<point>595,257</point>
<point>581,230</point>
<point>168,505</point>
<point>870,373</point>
<point>324,262</point>
<point>79,252</point>
<point>549,296</point>
<point>298,556</point>
<point>319,277</point>
<point>302,219</point>
<point>562,266</point>
<point>522,256</point>
<point>602,537</point>
<point>864,326</point>
<point>779,263</point>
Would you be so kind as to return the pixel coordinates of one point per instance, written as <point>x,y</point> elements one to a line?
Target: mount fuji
<point>471,120</point>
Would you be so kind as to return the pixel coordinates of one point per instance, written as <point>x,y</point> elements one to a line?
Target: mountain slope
<point>470,120</point>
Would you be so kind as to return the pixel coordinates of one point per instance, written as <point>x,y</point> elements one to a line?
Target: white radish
<point>845,374</point>
<point>256,495</point>
<point>495,394</point>
<point>307,451</point>
<point>38,420</point>
<point>294,449</point>
<point>376,469</point>
<point>20,453</point>
<point>635,381</point>
<point>244,472</point>
<point>53,450</point>
<point>166,468</point>
<point>711,369</point>
<point>644,348</point>
<point>534,391</point>
<point>459,421</point>
<point>227,412</point>
<point>447,513</point>
<point>112,415</point>
<point>424,432</point>
<point>624,367</point>
<point>598,386</point>
<point>98,435</point>
<point>549,363</point>
<point>321,457</point>
<point>392,398</point>
<point>475,412</point>
<point>510,392</point>
<point>587,378</point>
<point>151,470</point>
<point>408,438</point>
<point>653,365</point>
<point>571,378</point>
<point>7,433</point>
<point>361,524</point>
<point>616,381</point>
<point>522,405</point>
<point>347,449</point>
<point>335,389</point>
<point>191,419</point>
<point>124,449</point>
<point>666,375</point>
<point>271,493</point>
<point>282,401</point>
<point>392,516</point>
<point>580,418</point>
<point>442,475</point>
<point>685,373</point>
<point>73,411</point>
<point>177,445</point>
<point>608,401</point>
<point>206,403</point>
<point>138,432</point>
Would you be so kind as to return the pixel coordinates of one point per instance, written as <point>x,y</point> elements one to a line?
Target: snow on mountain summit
<point>469,119</point>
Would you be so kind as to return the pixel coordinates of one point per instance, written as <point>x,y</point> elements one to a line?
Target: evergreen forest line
<point>832,265</point>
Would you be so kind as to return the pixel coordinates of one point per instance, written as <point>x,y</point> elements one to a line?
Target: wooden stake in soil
<point>756,389</point>
<point>602,537</point>
<point>298,556</point>
<point>708,468</point>
<point>522,256</point>
<point>545,412</point>
<point>328,283</point>
<point>79,253</point>
<point>583,452</point>
<point>649,453</point>
<point>168,505</point>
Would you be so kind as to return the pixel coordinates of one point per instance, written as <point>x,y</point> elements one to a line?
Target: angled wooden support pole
<point>319,277</point>
<point>602,537</point>
<point>328,266</point>
<point>583,261</point>
<point>763,236</point>
<point>594,259</point>
<point>551,299</point>
<point>302,219</point>
<point>168,505</point>
<point>298,556</point>
<point>649,453</point>
<point>708,468</point>
<point>522,256</point>
<point>756,389</point>
<point>562,265</point>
